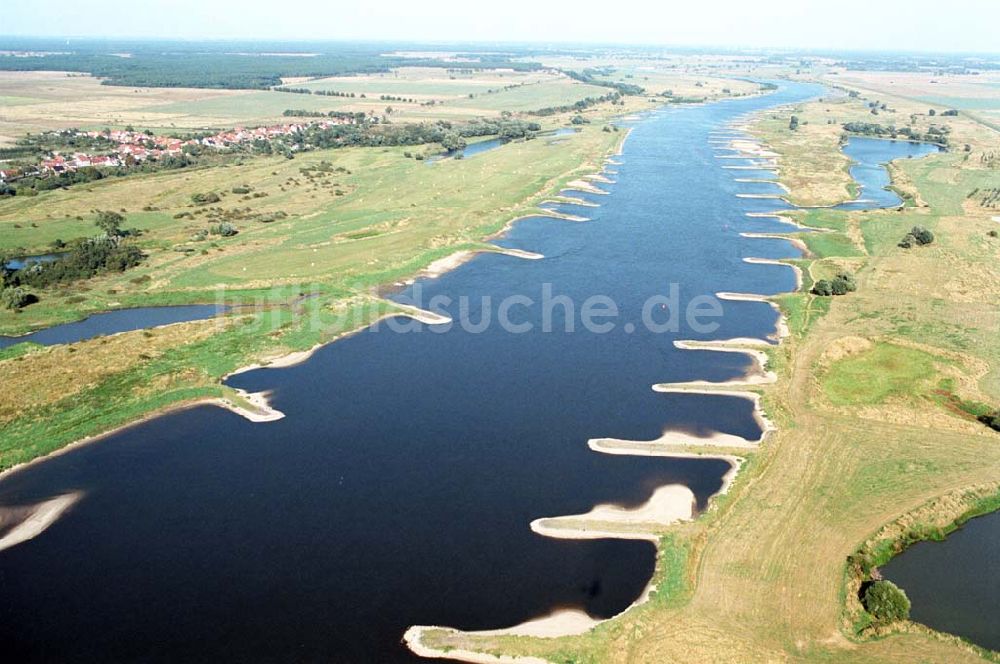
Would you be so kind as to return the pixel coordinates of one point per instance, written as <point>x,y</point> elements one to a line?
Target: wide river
<point>400,487</point>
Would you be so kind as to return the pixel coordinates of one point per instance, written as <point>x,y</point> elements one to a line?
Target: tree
<point>886,602</point>
<point>823,288</point>
<point>109,222</point>
<point>843,284</point>
<point>793,124</point>
<point>932,112</point>
<point>453,141</point>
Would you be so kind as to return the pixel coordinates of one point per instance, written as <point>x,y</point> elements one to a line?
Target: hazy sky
<point>932,25</point>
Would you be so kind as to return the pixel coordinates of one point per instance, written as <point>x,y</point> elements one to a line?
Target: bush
<point>922,235</point>
<point>241,190</point>
<point>918,236</point>
<point>205,198</point>
<point>225,229</point>
<point>886,602</point>
<point>16,298</point>
<point>842,284</point>
<point>823,287</point>
<point>991,420</point>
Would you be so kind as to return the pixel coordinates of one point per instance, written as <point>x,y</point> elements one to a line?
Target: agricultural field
<point>39,101</point>
<point>978,93</point>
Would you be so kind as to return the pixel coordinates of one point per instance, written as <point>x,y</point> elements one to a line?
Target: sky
<point>898,25</point>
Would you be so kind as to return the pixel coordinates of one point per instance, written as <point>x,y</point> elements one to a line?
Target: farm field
<point>977,93</point>
<point>39,101</point>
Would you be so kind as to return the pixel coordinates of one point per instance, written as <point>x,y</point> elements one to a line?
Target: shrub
<point>823,287</point>
<point>241,190</point>
<point>109,222</point>
<point>17,298</point>
<point>886,602</point>
<point>991,420</point>
<point>225,229</point>
<point>205,198</point>
<point>922,235</point>
<point>842,284</point>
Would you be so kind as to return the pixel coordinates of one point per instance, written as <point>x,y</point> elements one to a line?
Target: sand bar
<point>584,186</point>
<point>38,520</point>
<point>668,505</point>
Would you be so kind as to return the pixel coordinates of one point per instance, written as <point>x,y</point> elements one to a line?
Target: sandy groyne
<point>35,520</point>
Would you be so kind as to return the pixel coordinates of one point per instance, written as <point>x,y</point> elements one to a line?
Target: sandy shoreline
<point>459,258</point>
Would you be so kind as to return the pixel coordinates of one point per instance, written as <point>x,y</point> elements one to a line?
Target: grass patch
<point>874,375</point>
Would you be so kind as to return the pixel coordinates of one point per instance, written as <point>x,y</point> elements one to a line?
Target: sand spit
<point>599,177</point>
<point>668,505</point>
<point>770,169</point>
<point>257,408</point>
<point>772,261</point>
<point>570,200</point>
<point>413,638</point>
<point>38,519</point>
<point>761,196</point>
<point>452,261</point>
<point>555,214</point>
<point>759,375</point>
<point>743,297</point>
<point>584,186</point>
<point>658,448</point>
<point>794,241</point>
<point>613,162</point>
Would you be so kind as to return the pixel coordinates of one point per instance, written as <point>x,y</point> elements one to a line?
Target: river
<point>399,488</point>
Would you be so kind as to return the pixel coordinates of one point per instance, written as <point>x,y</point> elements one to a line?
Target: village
<point>134,147</point>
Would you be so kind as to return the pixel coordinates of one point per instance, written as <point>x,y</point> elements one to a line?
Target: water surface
<point>113,322</point>
<point>953,584</point>
<point>400,487</point>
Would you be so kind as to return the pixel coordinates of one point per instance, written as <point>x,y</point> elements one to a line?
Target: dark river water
<point>113,322</point>
<point>399,488</point>
<point>954,584</point>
